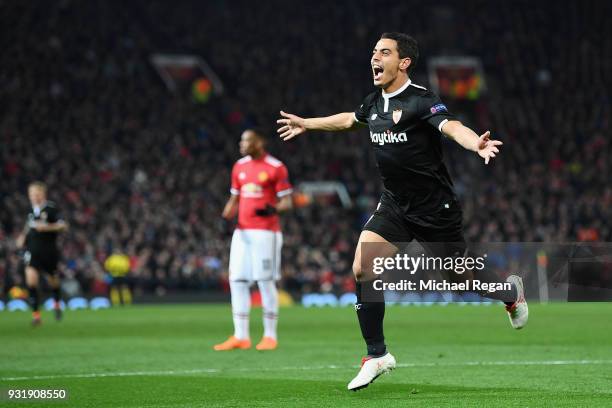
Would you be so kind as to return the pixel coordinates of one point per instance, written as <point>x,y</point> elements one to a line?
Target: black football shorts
<point>440,232</point>
<point>43,262</point>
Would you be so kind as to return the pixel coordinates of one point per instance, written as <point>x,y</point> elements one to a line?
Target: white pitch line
<point>302,368</point>
<point>508,363</point>
<point>111,374</point>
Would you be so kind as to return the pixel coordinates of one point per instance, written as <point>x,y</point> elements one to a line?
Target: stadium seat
<point>411,298</point>
<point>472,298</point>
<point>347,299</point>
<point>17,305</point>
<point>319,300</point>
<point>311,299</point>
<point>78,303</point>
<point>329,299</point>
<point>99,303</point>
<point>49,303</point>
<point>430,298</point>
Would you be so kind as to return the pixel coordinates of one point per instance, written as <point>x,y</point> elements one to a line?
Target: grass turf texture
<point>161,356</point>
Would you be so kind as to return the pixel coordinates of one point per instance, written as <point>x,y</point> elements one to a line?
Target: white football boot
<point>518,312</point>
<point>371,369</point>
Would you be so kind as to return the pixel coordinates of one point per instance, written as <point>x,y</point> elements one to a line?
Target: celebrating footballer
<point>406,122</point>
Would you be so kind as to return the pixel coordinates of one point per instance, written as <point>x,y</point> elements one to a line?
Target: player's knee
<point>31,277</point>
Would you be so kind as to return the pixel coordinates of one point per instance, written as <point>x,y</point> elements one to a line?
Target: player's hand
<point>487,148</point>
<point>20,241</point>
<point>267,211</point>
<point>291,126</point>
<point>226,227</point>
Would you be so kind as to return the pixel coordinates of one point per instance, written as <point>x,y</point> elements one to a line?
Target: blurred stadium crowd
<point>138,170</point>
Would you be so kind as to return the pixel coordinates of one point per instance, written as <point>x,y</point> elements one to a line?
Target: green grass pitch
<point>455,356</point>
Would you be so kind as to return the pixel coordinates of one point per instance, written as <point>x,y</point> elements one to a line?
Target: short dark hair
<point>259,132</point>
<point>407,47</point>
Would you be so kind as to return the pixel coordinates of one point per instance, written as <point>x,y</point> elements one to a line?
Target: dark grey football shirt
<point>43,242</point>
<point>405,132</point>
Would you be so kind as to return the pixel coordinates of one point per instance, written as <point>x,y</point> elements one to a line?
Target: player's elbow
<point>286,203</point>
<point>452,128</point>
<point>349,120</point>
<point>357,271</point>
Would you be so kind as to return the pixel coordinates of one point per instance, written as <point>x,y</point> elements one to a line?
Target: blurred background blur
<point>132,112</point>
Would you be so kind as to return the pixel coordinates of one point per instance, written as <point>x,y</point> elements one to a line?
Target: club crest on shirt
<point>262,176</point>
<point>397,114</point>
<point>251,190</point>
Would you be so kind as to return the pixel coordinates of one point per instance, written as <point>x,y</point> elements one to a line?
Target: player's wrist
<point>307,124</point>
<point>266,211</point>
<point>271,209</point>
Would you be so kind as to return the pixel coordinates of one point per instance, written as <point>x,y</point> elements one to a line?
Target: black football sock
<point>57,295</point>
<point>506,296</point>
<point>33,292</point>
<point>371,313</point>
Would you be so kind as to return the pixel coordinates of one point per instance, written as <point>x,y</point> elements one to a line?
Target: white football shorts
<point>255,255</point>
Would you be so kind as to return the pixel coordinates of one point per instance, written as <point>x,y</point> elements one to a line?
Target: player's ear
<point>405,63</point>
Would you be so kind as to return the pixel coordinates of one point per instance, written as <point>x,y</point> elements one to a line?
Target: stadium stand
<point>138,169</point>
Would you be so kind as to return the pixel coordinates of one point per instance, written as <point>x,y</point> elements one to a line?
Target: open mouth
<point>377,71</point>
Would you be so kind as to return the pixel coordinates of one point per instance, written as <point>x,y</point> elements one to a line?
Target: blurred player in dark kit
<point>41,256</point>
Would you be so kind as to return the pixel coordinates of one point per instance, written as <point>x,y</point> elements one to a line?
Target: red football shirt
<point>259,182</point>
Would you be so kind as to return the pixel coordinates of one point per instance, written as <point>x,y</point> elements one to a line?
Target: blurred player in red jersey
<point>260,191</point>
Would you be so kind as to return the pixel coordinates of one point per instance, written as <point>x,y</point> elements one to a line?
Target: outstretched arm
<point>293,125</point>
<point>467,138</point>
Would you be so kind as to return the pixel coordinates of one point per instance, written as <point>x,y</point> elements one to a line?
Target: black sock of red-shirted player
<point>370,308</point>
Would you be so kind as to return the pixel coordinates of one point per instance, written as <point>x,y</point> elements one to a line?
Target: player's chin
<point>381,83</point>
